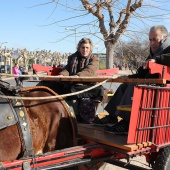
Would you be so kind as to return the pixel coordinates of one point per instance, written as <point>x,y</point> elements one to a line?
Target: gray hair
<point>162,29</point>
<point>85,41</point>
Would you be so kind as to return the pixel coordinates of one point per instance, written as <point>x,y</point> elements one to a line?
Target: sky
<point>29,24</point>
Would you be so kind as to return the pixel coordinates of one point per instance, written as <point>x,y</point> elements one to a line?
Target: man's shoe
<point>121,128</point>
<point>106,120</point>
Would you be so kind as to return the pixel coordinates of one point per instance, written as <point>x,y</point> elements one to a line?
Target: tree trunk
<point>110,48</point>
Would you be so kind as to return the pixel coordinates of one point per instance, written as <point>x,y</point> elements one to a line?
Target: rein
<point>52,97</point>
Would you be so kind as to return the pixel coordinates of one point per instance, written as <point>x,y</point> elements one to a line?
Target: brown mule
<point>51,125</point>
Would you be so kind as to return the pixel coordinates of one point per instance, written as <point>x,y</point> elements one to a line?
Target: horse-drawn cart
<point>149,130</point>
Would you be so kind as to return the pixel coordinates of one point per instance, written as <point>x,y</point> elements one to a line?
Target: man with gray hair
<point>159,53</point>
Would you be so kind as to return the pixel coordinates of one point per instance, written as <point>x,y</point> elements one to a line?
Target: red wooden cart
<point>49,70</point>
<point>149,131</point>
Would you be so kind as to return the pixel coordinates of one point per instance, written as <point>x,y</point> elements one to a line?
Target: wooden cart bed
<point>97,134</point>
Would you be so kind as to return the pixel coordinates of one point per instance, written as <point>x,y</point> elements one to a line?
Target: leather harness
<point>24,127</point>
<point>12,112</point>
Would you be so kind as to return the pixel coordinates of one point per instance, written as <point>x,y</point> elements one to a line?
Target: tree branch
<point>129,11</point>
<point>88,6</point>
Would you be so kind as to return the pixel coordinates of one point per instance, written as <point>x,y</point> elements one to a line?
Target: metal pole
<point>75,32</point>
<point>76,38</point>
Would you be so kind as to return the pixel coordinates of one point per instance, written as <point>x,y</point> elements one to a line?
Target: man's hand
<point>152,60</point>
<point>145,63</point>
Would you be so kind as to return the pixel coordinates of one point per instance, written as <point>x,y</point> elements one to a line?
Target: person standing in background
<point>20,69</point>
<point>16,73</point>
<point>24,72</point>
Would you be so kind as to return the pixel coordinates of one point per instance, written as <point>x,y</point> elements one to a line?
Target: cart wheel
<point>162,161</point>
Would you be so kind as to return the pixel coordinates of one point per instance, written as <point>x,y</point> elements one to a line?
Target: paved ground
<point>137,163</point>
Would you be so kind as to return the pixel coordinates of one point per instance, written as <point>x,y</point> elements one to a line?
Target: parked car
<point>2,68</point>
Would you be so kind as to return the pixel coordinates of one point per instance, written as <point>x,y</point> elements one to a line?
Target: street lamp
<point>3,43</point>
<point>75,32</point>
<point>97,49</point>
<point>3,57</point>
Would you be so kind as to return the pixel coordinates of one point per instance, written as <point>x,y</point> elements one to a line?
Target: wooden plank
<point>145,144</point>
<point>101,79</point>
<point>124,107</point>
<point>140,145</point>
<point>97,134</point>
<point>95,79</point>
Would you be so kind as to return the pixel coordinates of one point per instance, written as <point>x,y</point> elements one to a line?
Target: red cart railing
<point>150,119</point>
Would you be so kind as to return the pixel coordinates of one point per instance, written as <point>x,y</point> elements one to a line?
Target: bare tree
<point>132,53</point>
<point>111,36</point>
<point>110,19</point>
<point>24,57</point>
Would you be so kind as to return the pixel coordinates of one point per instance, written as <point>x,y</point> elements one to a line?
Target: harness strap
<point>24,127</point>
<point>1,166</point>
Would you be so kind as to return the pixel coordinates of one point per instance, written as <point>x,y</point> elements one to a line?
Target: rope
<point>53,97</point>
